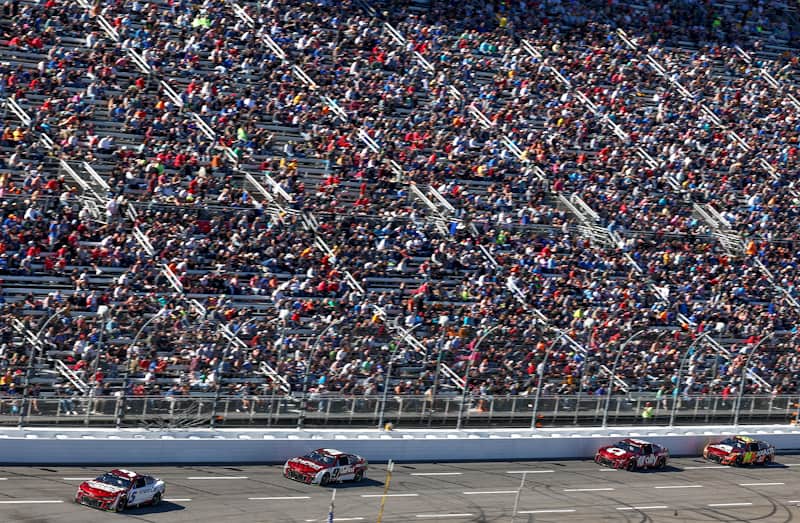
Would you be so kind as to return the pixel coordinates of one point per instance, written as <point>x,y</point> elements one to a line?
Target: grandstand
<point>319,199</point>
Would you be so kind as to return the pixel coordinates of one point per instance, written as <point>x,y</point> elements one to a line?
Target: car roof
<point>123,473</point>
<point>636,442</point>
<point>746,439</point>
<point>330,452</point>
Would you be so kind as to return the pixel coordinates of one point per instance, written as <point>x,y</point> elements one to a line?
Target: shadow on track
<point>162,508</point>
<point>366,482</point>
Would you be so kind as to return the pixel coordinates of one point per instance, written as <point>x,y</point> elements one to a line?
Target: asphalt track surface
<point>689,490</point>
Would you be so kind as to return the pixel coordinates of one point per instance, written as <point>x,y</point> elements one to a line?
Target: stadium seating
<point>283,196</point>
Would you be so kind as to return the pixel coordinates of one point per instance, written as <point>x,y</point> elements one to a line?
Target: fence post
<point>118,410</point>
<point>385,390</point>
<point>389,470</point>
<point>797,410</point>
<point>214,405</point>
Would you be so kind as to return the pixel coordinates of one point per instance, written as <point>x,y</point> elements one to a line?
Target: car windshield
<point>319,457</point>
<point>735,443</point>
<point>624,445</point>
<point>111,479</point>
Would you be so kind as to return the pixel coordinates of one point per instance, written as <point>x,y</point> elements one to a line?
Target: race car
<point>324,466</point>
<point>740,450</point>
<point>632,454</point>
<point>120,489</point>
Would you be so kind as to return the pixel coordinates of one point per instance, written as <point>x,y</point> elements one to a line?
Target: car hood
<point>95,488</point>
<point>614,453</point>
<point>719,448</point>
<point>305,466</point>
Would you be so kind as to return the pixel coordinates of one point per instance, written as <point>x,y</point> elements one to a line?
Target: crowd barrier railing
<point>444,411</point>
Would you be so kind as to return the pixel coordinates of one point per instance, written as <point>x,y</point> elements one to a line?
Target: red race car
<point>119,489</point>
<point>632,454</point>
<point>740,450</point>
<point>324,466</point>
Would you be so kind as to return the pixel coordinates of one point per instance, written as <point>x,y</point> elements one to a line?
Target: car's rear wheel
<point>156,499</point>
<point>122,504</point>
<point>738,461</point>
<point>358,476</point>
<point>325,480</point>
<point>631,466</point>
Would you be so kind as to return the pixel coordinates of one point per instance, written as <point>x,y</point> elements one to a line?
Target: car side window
<point>139,482</point>
<point>342,461</point>
<point>752,447</point>
<point>647,449</point>
<point>149,480</point>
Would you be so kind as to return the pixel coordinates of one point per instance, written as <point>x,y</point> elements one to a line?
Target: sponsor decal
<point>307,463</point>
<point>113,489</point>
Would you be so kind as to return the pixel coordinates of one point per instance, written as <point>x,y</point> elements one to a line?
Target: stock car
<point>632,454</point>
<point>324,466</point>
<point>120,489</point>
<point>740,450</point>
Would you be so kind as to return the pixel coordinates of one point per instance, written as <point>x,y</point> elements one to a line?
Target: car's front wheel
<point>325,480</point>
<point>661,463</point>
<point>358,476</point>
<point>122,504</point>
<point>631,466</point>
<point>156,499</point>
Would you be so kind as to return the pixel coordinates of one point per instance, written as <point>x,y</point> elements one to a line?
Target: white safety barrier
<point>134,446</point>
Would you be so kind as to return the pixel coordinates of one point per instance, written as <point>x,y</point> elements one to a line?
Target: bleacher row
<point>270,196</point>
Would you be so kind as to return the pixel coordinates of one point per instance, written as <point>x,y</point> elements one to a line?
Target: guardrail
<point>94,446</point>
<point>402,411</point>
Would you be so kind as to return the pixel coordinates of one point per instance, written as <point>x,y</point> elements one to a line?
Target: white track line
<point>277,498</point>
<point>707,467</point>
<point>178,499</point>
<point>437,473</point>
<point>601,489</point>
<point>760,484</point>
<point>651,507</point>
<point>443,515</point>
<point>77,479</point>
<point>217,477</point>
<point>544,511</point>
<point>389,495</point>
<point>680,486</point>
<point>477,493</point>
<point>30,501</point>
<point>730,504</point>
<point>357,518</point>
<point>528,471</point>
<point>793,501</point>
<point>3,479</point>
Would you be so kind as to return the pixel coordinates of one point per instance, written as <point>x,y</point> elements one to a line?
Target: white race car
<point>119,489</point>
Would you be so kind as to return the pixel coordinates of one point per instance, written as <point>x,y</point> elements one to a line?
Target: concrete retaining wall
<point>112,447</point>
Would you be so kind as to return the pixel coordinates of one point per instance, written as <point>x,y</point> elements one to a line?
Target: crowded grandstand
<point>412,197</point>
